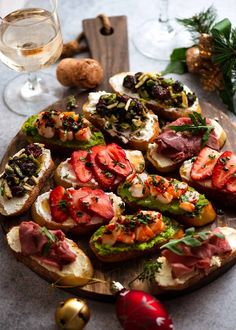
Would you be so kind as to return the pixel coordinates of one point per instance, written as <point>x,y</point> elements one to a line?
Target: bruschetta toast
<point>213,173</point>
<point>167,97</point>
<point>123,118</point>
<point>24,176</point>
<point>61,130</point>
<point>183,139</point>
<point>131,236</point>
<point>170,196</point>
<point>99,167</point>
<point>187,262</point>
<point>78,211</point>
<point>50,254</point>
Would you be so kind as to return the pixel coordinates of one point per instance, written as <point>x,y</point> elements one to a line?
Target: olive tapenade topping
<point>21,172</point>
<point>154,86</point>
<point>122,112</point>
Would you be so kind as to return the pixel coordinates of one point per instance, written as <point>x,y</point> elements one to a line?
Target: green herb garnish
<point>198,126</point>
<point>51,240</point>
<point>191,239</point>
<point>71,103</point>
<point>63,205</point>
<point>151,267</point>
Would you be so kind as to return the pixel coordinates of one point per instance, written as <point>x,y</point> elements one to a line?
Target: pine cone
<point>205,45</point>
<point>193,59</point>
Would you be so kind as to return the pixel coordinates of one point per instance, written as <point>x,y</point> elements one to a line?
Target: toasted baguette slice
<point>77,273</point>
<point>222,196</point>
<point>56,137</point>
<point>165,283</point>
<point>159,108</point>
<point>121,251</point>
<point>138,140</point>
<point>169,196</point>
<point>18,205</point>
<point>164,164</point>
<point>41,214</point>
<point>65,175</point>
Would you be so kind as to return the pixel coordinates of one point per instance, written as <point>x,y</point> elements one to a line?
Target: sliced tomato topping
<point>224,169</point>
<point>58,204</point>
<point>81,165</point>
<point>114,159</point>
<point>99,203</point>
<point>75,205</point>
<point>204,163</point>
<point>231,184</point>
<point>104,177</point>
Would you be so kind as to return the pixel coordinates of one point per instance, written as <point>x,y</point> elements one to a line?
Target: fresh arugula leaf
<point>191,239</point>
<point>198,126</point>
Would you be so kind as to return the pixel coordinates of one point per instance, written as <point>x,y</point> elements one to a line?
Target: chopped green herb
<point>71,103</point>
<point>212,156</point>
<point>79,214</point>
<point>63,205</point>
<point>83,159</point>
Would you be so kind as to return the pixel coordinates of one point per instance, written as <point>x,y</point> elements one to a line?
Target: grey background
<point>27,301</point>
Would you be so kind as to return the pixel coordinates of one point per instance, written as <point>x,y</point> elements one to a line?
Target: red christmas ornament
<point>137,310</point>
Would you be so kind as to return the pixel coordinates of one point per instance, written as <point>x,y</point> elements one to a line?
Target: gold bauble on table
<point>72,314</point>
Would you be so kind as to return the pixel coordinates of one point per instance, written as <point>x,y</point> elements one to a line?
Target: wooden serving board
<point>112,51</point>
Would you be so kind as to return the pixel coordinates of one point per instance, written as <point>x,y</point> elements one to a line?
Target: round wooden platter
<point>123,272</point>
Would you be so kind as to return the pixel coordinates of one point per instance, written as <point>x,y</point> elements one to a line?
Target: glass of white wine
<point>30,39</point>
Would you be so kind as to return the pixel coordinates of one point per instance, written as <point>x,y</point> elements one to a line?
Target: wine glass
<point>156,38</point>
<point>30,39</point>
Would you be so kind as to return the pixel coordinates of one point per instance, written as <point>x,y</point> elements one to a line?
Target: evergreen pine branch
<point>200,23</point>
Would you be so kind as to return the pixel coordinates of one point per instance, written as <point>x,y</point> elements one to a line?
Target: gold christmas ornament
<point>72,314</point>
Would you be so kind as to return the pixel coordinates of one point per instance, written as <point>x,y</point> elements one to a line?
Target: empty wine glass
<point>156,38</point>
<point>30,39</point>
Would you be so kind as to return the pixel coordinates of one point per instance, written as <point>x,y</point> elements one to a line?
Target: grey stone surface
<point>27,301</point>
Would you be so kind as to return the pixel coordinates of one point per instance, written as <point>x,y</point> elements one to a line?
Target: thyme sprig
<point>150,268</point>
<point>198,126</point>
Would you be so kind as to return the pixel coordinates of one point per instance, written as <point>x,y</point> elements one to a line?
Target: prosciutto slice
<point>179,146</point>
<point>33,243</point>
<point>194,258</point>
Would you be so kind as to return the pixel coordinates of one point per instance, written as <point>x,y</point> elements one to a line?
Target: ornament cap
<point>116,287</point>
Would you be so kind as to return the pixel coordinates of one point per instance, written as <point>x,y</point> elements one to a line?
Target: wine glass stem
<point>163,16</point>
<point>32,87</point>
<point>32,80</point>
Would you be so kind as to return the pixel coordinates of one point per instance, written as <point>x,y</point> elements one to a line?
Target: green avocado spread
<point>172,228</point>
<point>31,132</point>
<point>151,203</point>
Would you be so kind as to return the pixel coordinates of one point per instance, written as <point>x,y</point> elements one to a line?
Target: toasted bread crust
<point>223,197</point>
<point>158,108</point>
<point>206,216</point>
<point>164,164</point>
<point>53,277</point>
<point>33,193</point>
<point>127,255</point>
<point>134,143</point>
<point>227,260</point>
